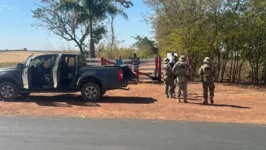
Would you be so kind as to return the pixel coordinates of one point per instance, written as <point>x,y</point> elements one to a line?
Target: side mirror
<point>20,66</point>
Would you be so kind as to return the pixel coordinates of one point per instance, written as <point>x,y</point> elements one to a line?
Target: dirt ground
<point>146,101</point>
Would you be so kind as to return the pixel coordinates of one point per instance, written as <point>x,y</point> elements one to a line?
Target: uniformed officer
<point>168,78</point>
<point>182,71</point>
<point>206,73</point>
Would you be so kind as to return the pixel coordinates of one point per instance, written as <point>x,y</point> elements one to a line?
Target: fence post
<point>102,61</point>
<point>189,60</point>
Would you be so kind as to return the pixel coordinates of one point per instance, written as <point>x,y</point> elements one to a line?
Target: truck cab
<point>61,73</point>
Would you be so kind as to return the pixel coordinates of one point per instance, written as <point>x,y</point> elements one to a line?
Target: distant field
<point>16,56</point>
<point>19,56</point>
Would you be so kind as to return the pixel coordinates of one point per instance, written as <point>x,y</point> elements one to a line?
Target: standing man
<point>174,60</point>
<point>206,73</point>
<point>135,65</point>
<point>168,78</point>
<point>119,61</point>
<point>182,71</point>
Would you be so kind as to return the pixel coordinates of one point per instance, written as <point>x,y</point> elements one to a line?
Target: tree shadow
<point>69,100</point>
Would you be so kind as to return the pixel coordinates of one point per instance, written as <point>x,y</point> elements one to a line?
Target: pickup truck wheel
<point>91,92</point>
<point>8,91</point>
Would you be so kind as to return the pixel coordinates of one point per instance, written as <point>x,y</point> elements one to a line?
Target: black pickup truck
<point>61,73</point>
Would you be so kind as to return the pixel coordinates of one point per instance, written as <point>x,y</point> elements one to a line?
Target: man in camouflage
<point>206,73</point>
<point>181,71</point>
<point>173,61</point>
<point>168,78</point>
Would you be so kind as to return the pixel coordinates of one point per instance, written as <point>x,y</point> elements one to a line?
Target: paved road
<point>27,133</point>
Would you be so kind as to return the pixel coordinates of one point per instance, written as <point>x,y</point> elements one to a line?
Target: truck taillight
<point>120,74</point>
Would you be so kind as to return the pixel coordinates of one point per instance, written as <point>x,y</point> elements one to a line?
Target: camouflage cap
<point>182,58</point>
<point>207,60</point>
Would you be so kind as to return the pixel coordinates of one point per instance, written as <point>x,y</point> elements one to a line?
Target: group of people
<point>177,73</point>
<point>134,63</point>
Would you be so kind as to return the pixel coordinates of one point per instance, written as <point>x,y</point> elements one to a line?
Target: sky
<point>17,32</point>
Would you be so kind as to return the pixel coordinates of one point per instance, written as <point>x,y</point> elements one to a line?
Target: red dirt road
<point>146,101</point>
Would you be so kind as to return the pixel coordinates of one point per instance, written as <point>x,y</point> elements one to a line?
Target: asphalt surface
<point>28,133</point>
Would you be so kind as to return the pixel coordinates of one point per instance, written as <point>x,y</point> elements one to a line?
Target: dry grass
<point>16,56</point>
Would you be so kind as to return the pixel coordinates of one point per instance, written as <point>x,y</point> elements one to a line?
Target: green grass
<point>8,64</point>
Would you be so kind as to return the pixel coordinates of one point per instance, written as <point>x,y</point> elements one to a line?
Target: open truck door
<point>56,74</point>
<point>25,75</point>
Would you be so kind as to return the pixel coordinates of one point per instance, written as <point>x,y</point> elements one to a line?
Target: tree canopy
<point>231,32</point>
<point>78,20</point>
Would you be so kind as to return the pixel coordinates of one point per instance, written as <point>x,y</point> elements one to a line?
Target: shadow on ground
<point>221,105</point>
<point>69,100</point>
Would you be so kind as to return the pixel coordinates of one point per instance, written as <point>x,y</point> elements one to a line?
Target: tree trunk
<point>218,68</point>
<point>252,72</point>
<point>239,72</point>
<point>256,73</point>
<point>264,74</point>
<point>113,33</point>
<point>224,63</point>
<point>92,48</point>
<point>81,49</point>
<point>231,69</point>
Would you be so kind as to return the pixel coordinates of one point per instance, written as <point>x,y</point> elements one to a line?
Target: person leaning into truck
<point>135,65</point>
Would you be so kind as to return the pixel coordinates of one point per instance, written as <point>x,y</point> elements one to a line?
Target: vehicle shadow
<point>69,100</point>
<point>128,100</point>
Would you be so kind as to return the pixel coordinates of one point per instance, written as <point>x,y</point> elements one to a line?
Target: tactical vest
<point>182,69</point>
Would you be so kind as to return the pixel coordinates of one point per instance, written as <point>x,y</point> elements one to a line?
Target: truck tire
<point>91,92</point>
<point>8,91</point>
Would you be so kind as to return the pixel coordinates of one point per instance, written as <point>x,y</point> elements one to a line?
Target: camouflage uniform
<point>168,78</point>
<point>182,71</point>
<point>207,78</point>
<point>172,63</point>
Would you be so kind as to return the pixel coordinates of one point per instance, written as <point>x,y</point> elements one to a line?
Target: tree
<point>62,23</point>
<point>113,12</point>
<point>72,18</point>
<point>146,47</point>
<point>231,32</point>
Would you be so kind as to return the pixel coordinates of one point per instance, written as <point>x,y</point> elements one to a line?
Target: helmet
<point>182,58</point>
<point>166,60</point>
<point>207,60</point>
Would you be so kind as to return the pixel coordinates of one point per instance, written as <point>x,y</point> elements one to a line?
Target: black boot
<point>185,100</point>
<point>211,99</point>
<point>205,101</point>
